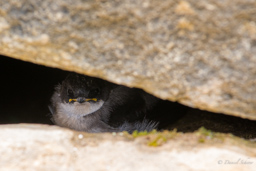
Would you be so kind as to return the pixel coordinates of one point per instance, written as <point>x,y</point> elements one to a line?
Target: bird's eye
<point>70,92</point>
<point>94,92</point>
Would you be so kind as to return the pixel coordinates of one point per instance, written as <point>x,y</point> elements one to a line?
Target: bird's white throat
<point>79,109</point>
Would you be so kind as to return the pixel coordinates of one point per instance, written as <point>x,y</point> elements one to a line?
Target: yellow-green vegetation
<point>162,137</point>
<point>142,133</point>
<point>204,134</point>
<point>155,138</point>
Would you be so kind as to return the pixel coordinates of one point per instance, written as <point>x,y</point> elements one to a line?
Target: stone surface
<point>200,53</point>
<point>40,147</point>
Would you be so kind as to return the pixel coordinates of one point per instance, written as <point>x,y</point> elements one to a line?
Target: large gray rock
<point>200,53</point>
<point>44,148</point>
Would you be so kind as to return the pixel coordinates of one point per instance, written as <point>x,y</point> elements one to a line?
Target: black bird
<point>93,105</point>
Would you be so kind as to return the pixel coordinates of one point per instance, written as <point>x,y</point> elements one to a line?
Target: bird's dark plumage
<point>93,105</point>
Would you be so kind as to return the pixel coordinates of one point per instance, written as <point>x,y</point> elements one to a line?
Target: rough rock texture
<point>44,148</point>
<point>201,53</point>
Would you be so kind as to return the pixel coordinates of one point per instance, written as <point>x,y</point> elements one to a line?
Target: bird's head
<point>80,89</point>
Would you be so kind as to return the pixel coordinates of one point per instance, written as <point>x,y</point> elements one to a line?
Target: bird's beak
<point>82,99</point>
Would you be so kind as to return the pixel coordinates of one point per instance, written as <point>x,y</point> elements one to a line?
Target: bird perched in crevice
<point>90,104</point>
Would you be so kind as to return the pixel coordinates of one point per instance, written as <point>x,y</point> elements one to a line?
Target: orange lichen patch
<point>184,24</point>
<point>250,27</point>
<point>184,8</point>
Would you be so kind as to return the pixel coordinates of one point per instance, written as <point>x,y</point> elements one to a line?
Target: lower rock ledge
<point>42,147</point>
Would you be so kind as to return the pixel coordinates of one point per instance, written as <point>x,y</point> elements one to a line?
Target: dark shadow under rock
<point>195,119</point>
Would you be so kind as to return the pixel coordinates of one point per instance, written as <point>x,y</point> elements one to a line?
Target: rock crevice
<point>201,54</point>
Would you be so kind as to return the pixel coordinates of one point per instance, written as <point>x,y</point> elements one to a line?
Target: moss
<point>202,135</point>
<point>153,138</point>
<point>201,140</point>
<point>136,133</point>
<point>206,132</point>
<point>161,138</point>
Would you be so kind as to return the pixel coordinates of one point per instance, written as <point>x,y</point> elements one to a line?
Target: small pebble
<point>80,136</point>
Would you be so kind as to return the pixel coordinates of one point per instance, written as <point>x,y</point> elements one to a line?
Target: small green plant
<point>142,133</point>
<point>155,138</point>
<point>204,134</point>
<point>161,137</point>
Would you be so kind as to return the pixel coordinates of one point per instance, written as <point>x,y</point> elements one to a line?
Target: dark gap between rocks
<point>26,89</point>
